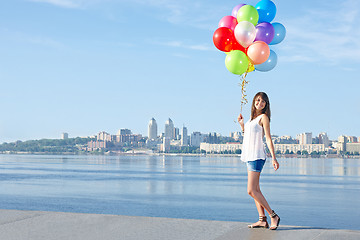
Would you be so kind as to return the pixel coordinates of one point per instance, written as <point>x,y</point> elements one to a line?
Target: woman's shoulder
<point>264,118</point>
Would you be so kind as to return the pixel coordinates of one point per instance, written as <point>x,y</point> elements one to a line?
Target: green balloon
<point>248,13</point>
<point>236,62</point>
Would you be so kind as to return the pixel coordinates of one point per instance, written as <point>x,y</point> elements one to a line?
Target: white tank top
<point>253,146</point>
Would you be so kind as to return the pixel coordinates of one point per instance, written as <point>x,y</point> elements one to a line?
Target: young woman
<point>253,153</point>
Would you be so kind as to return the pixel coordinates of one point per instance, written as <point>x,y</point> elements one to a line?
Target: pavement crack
<point>22,219</point>
<point>319,235</point>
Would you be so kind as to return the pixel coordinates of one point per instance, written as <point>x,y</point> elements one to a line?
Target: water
<point>306,192</point>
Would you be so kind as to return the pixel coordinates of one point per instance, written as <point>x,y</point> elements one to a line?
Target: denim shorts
<point>255,166</point>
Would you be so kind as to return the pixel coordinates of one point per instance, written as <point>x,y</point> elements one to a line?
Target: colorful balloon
<point>258,52</point>
<point>248,13</point>
<point>245,33</point>
<point>237,46</point>
<point>269,64</point>
<point>265,32</point>
<point>251,67</point>
<point>236,9</point>
<point>236,62</point>
<point>245,37</point>
<point>279,33</point>
<point>229,22</point>
<point>267,10</point>
<point>223,39</point>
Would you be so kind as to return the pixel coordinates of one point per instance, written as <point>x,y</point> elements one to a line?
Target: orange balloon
<point>258,52</point>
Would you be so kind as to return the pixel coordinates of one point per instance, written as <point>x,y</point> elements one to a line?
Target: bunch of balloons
<point>246,35</point>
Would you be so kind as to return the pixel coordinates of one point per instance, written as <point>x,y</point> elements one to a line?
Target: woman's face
<point>259,103</point>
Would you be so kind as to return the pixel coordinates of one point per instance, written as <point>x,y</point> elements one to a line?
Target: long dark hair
<point>265,110</point>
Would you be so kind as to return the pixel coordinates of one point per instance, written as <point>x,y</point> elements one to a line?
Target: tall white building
<point>169,129</point>
<point>104,136</point>
<point>305,138</point>
<point>196,138</point>
<point>324,139</point>
<point>152,129</point>
<point>184,136</point>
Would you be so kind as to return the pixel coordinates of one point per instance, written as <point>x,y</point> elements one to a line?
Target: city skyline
<point>82,66</point>
<point>303,137</point>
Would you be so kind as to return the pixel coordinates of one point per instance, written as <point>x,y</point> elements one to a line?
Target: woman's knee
<point>251,191</point>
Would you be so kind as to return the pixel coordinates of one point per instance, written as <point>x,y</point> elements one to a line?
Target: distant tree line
<point>70,145</point>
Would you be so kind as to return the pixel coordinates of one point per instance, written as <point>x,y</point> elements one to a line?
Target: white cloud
<point>198,14</point>
<point>179,44</point>
<point>327,35</point>
<point>181,55</point>
<point>31,39</point>
<point>44,41</point>
<point>62,3</point>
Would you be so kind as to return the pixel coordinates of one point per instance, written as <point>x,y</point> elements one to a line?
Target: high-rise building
<point>324,139</point>
<point>64,135</point>
<point>124,131</point>
<point>176,133</point>
<point>342,139</point>
<point>352,139</point>
<point>152,130</point>
<point>104,136</point>
<point>184,136</point>
<point>196,138</point>
<point>305,138</point>
<point>169,129</point>
<point>213,138</point>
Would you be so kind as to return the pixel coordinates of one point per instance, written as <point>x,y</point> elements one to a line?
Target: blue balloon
<point>266,10</point>
<point>280,33</point>
<point>269,64</point>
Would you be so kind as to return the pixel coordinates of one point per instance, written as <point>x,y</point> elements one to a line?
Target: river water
<point>316,192</point>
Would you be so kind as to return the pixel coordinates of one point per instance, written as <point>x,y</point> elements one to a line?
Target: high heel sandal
<point>273,215</point>
<point>261,219</point>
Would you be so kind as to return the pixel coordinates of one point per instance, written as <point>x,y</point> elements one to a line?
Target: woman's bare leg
<point>254,191</point>
<point>259,208</point>
<point>258,205</point>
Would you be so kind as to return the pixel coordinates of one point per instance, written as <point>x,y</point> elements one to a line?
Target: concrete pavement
<point>36,225</point>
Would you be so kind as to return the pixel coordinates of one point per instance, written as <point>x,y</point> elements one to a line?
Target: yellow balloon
<point>251,67</point>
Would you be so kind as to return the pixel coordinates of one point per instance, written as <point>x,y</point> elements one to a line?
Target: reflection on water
<point>213,188</point>
<point>320,166</point>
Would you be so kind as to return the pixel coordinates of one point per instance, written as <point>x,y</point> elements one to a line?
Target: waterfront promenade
<point>21,225</point>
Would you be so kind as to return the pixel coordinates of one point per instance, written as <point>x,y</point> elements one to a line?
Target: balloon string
<point>243,87</point>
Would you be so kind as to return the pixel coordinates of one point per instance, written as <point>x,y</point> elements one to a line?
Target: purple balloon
<point>265,32</point>
<point>236,9</point>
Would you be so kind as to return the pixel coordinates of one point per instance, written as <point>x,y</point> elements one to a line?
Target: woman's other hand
<point>275,164</point>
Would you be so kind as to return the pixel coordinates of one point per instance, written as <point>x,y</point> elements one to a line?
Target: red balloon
<point>237,46</point>
<point>224,39</point>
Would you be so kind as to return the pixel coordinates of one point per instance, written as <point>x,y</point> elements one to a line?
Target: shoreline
<point>174,154</point>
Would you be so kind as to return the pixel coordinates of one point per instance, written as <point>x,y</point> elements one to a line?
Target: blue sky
<point>82,67</point>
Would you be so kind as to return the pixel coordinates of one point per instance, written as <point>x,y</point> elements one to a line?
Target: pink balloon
<point>229,22</point>
<point>258,52</point>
